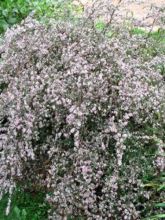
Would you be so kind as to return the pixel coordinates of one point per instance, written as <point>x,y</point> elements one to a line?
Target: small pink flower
<point>84,169</point>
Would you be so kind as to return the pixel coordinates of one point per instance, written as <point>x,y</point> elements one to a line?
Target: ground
<point>138,9</point>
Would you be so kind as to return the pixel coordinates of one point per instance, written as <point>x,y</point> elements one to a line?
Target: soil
<point>140,9</point>
<point>137,9</point>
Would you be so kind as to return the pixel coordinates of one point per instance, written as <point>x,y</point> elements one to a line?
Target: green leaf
<point>12,20</point>
<point>156,217</point>
<point>5,12</point>
<point>160,205</point>
<point>23,214</point>
<point>152,185</point>
<point>159,216</point>
<point>3,24</point>
<point>161,187</point>
<point>17,211</point>
<point>100,25</point>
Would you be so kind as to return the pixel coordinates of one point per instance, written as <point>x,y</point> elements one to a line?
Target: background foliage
<point>14,11</point>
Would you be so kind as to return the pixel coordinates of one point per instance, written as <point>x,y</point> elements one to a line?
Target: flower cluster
<point>71,102</point>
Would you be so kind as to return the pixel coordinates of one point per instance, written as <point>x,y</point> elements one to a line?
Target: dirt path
<point>138,9</point>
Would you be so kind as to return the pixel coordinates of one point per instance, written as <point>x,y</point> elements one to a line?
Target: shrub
<point>79,115</point>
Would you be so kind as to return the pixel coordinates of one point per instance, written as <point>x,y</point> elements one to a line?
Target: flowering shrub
<point>77,110</point>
